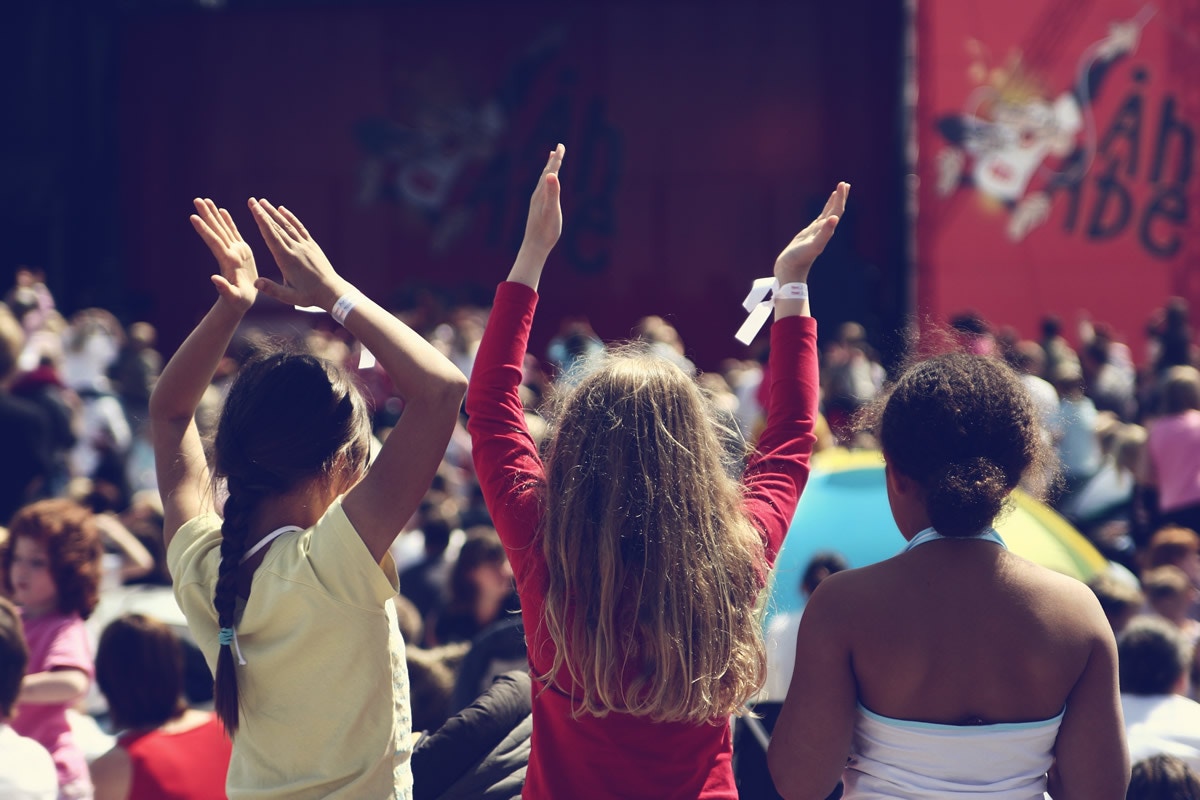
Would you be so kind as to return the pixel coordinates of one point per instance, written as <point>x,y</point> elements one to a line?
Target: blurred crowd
<point>74,393</point>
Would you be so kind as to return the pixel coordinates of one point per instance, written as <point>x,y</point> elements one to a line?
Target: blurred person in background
<point>427,582</point>
<point>51,568</point>
<point>481,589</point>
<point>1108,369</point>
<point>26,464</point>
<point>1075,428</point>
<point>1154,657</point>
<point>26,769</point>
<point>1173,449</point>
<point>1163,778</point>
<point>165,750</point>
<point>851,377</point>
<point>1057,349</point>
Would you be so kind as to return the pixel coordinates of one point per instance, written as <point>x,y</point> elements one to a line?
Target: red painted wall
<point>699,139</point>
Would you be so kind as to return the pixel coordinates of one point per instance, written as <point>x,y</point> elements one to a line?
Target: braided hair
<point>288,418</point>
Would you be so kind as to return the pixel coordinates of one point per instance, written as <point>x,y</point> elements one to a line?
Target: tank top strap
<point>266,540</point>
<point>930,535</point>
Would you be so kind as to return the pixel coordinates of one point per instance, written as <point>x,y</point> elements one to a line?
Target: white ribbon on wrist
<point>760,305</point>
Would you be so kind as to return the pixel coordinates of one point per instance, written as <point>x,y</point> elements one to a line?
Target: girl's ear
<point>898,483</point>
<point>906,499</point>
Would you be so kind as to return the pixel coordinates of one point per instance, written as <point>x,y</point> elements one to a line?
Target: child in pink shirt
<point>51,568</point>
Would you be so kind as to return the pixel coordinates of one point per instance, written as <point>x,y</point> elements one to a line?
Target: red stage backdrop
<point>1057,143</point>
<point>408,137</point>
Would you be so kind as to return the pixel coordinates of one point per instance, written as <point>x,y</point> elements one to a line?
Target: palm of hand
<point>804,247</point>
<point>234,257</point>
<point>238,269</point>
<point>798,257</point>
<point>545,216</point>
<point>544,224</point>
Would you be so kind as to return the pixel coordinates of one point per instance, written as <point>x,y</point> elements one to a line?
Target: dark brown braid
<point>238,510</point>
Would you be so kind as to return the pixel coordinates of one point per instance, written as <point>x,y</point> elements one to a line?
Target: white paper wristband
<point>792,291</point>
<point>344,305</point>
<point>760,305</point>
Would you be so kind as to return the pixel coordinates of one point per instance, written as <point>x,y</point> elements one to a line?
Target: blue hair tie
<point>225,636</point>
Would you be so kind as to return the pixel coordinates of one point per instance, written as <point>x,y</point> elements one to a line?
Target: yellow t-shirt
<point>324,692</point>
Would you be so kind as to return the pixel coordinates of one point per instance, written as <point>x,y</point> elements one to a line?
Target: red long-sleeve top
<point>621,755</point>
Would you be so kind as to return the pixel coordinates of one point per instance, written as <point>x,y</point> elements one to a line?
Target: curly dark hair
<point>72,541</point>
<point>965,429</point>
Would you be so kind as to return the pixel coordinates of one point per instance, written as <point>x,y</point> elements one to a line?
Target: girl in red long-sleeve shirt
<point>639,561</point>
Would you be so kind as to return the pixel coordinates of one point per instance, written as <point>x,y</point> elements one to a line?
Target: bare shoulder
<point>1057,596</point>
<point>112,774</point>
<point>846,594</point>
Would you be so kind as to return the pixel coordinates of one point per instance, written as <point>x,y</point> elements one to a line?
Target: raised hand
<point>544,224</point>
<point>797,258</point>
<point>308,277</point>
<point>234,257</point>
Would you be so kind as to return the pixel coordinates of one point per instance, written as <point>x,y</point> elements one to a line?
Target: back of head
<point>481,548</point>
<point>647,544</point>
<point>964,428</point>
<point>68,532</point>
<point>820,567</point>
<point>1172,544</point>
<point>14,656</point>
<point>1165,583</point>
<point>1119,599</point>
<point>139,668</point>
<point>1152,656</point>
<point>1181,390</point>
<point>1029,357</point>
<point>1163,777</point>
<point>438,520</point>
<point>289,418</point>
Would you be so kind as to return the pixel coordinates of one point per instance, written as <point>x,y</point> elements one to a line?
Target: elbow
<point>162,411</point>
<point>793,780</point>
<point>442,395</point>
<point>783,774</point>
<point>452,390</point>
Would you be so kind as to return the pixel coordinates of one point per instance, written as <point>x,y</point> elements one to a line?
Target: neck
<point>302,507</point>
<point>37,612</point>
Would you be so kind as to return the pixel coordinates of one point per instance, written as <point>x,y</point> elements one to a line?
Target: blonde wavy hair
<point>656,571</point>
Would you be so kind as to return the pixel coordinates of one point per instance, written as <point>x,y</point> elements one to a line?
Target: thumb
<point>826,231</point>
<point>276,291</point>
<point>224,287</point>
<point>553,187</point>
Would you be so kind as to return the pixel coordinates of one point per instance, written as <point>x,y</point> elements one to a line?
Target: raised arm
<point>543,226</point>
<point>796,261</point>
<point>430,385</point>
<point>778,470</point>
<point>505,456</point>
<point>183,477</point>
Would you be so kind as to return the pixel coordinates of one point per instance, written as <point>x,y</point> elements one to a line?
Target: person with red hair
<point>51,569</point>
